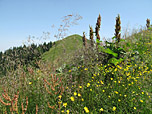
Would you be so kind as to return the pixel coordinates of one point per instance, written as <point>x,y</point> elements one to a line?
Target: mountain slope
<point>63,48</point>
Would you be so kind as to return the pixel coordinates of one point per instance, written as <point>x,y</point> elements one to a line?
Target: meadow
<point>101,77</point>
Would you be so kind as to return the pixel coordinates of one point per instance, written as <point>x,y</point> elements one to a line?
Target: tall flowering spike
<point>148,23</point>
<point>118,28</point>
<point>91,35</point>
<point>84,39</point>
<point>98,27</point>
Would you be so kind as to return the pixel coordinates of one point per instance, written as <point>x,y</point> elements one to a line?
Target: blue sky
<point>20,19</point>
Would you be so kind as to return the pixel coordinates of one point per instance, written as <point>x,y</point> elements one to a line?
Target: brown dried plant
<point>84,40</point>
<point>98,27</point>
<point>36,109</point>
<point>148,23</point>
<point>13,102</point>
<point>25,109</point>
<point>118,28</point>
<point>56,89</point>
<point>91,36</point>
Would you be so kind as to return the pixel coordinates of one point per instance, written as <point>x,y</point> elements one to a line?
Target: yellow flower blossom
<point>79,94</point>
<point>68,111</point>
<point>86,69</point>
<point>86,109</point>
<point>82,99</point>
<point>134,108</point>
<point>75,93</point>
<point>141,101</point>
<point>80,87</point>
<point>64,104</point>
<point>88,84</point>
<point>30,83</point>
<point>114,108</point>
<point>101,109</point>
<point>59,96</point>
<point>72,98</point>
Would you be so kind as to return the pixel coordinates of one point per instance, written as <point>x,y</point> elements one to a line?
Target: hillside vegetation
<point>99,78</point>
<point>62,49</point>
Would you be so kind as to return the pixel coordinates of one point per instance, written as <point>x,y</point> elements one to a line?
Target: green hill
<point>62,49</point>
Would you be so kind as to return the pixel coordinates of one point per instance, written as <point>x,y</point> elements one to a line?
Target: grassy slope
<point>63,48</point>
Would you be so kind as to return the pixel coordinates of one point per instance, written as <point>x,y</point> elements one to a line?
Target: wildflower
<point>86,69</point>
<point>109,96</point>
<point>101,109</point>
<point>141,101</point>
<point>59,102</point>
<point>64,104</point>
<point>125,95</point>
<point>62,111</point>
<point>103,90</point>
<point>119,100</point>
<point>80,87</point>
<point>79,94</point>
<point>116,92</point>
<point>69,70</point>
<point>86,109</point>
<point>134,108</point>
<point>94,74</point>
<point>82,99</point>
<point>111,78</point>
<point>30,83</point>
<point>68,111</point>
<point>60,96</point>
<point>75,93</point>
<point>72,98</point>
<point>90,89</point>
<point>101,82</point>
<point>88,84</point>
<point>142,92</point>
<point>114,108</point>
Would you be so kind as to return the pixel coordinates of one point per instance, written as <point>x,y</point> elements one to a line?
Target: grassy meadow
<point>100,77</point>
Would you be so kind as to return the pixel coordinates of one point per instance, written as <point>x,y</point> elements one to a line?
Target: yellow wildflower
<point>64,104</point>
<point>60,96</point>
<point>72,98</point>
<point>114,108</point>
<point>141,101</point>
<point>68,111</point>
<point>86,69</point>
<point>75,93</point>
<point>80,87</point>
<point>30,83</point>
<point>79,94</point>
<point>135,108</point>
<point>82,99</point>
<point>86,109</point>
<point>88,84</point>
<point>101,109</point>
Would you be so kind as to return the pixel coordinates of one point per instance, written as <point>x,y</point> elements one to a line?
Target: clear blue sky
<point>21,18</point>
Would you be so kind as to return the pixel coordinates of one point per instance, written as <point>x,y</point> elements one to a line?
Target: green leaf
<point>122,40</point>
<point>98,41</point>
<point>114,37</point>
<point>109,51</point>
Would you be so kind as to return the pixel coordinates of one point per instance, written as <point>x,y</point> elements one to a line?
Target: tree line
<point>23,55</point>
